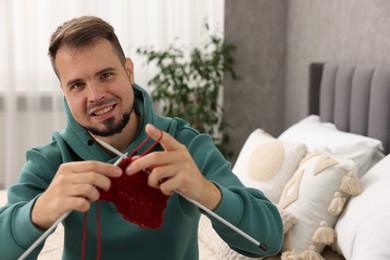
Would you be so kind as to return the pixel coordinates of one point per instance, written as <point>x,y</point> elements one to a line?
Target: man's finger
<point>165,139</point>
<point>94,166</point>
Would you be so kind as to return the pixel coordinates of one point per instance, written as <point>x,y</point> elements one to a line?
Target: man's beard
<point>111,128</point>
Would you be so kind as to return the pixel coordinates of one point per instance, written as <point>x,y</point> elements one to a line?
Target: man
<point>68,175</point>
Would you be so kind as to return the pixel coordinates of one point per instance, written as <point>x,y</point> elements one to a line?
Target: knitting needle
<point>222,220</point>
<point>43,236</point>
<point>113,149</point>
<point>239,231</point>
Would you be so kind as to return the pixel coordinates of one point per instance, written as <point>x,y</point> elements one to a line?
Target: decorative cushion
<point>316,135</point>
<point>266,163</point>
<point>363,228</point>
<point>316,195</point>
<point>209,238</point>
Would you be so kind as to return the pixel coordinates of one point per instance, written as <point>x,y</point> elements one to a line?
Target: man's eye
<point>77,85</point>
<point>106,75</point>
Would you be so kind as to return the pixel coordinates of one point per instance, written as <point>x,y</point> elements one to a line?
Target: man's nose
<point>95,92</point>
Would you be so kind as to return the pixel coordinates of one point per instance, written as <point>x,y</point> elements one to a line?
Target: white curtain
<point>31,102</point>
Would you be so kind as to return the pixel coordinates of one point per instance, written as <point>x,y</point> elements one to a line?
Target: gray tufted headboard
<point>356,98</point>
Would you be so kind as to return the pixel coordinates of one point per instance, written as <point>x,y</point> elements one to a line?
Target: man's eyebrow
<point>108,69</point>
<point>72,82</point>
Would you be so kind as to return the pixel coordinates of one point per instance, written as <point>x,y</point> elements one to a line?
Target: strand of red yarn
<point>84,242</point>
<point>97,203</point>
<point>98,230</point>
<point>84,236</point>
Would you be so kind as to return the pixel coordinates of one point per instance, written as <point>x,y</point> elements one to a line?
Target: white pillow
<point>316,195</point>
<point>266,163</point>
<point>316,135</point>
<point>364,227</point>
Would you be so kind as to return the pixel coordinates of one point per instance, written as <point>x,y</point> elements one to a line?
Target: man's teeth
<point>103,111</point>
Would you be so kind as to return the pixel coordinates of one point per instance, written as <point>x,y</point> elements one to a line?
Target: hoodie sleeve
<point>18,232</point>
<point>254,214</point>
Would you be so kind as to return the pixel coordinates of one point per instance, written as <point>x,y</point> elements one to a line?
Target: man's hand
<point>74,186</point>
<point>174,170</point>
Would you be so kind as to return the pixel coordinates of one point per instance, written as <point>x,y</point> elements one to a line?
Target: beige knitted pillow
<point>316,195</point>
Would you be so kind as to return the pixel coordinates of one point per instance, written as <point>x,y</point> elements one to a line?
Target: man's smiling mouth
<point>103,111</point>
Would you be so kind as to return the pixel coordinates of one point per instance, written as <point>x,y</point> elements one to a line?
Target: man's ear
<point>130,69</point>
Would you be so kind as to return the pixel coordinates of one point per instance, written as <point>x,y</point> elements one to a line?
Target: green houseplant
<point>190,87</point>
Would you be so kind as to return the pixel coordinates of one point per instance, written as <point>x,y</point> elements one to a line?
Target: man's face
<point>97,87</point>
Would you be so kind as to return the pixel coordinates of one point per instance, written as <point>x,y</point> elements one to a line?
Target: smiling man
<point>96,86</point>
<point>68,175</point>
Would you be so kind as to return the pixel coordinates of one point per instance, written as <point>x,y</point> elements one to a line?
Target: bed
<point>348,120</point>
<point>343,214</point>
<point>355,98</point>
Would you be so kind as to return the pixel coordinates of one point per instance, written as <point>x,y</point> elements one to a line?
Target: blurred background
<point>31,101</point>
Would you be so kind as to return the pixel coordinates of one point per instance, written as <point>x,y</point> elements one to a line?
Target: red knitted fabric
<point>134,198</point>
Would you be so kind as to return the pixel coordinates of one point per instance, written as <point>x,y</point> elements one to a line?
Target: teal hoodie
<point>177,238</point>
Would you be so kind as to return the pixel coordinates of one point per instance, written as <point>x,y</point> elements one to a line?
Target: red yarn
<point>98,230</point>
<point>134,199</point>
<point>84,236</point>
